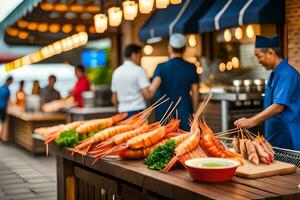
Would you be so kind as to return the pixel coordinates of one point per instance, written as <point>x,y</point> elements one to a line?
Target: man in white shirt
<point>130,83</point>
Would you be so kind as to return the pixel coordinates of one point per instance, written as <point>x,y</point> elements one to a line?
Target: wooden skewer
<point>178,101</point>
<point>225,138</point>
<point>166,113</point>
<point>226,131</point>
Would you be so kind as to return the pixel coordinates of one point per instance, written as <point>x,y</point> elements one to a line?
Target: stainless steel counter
<point>77,114</point>
<point>235,96</point>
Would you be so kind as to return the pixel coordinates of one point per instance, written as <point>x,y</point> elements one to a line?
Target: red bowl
<point>199,170</point>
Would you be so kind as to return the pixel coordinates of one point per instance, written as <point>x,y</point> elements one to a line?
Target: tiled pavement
<point>24,176</point>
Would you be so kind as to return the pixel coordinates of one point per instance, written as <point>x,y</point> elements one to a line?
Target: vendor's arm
<point>156,82</point>
<point>144,84</point>
<point>195,96</point>
<point>270,111</point>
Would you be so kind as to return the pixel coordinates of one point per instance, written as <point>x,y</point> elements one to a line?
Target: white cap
<point>177,40</point>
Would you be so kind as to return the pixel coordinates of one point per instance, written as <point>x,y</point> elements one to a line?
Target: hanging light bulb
<point>250,31</point>
<point>161,4</point>
<point>100,22</point>
<point>130,9</point>
<point>235,62</point>
<point>229,65</point>
<point>148,49</point>
<point>146,6</point>
<point>222,67</point>
<point>83,38</point>
<point>192,40</point>
<point>175,1</point>
<point>114,16</point>
<point>227,35</point>
<point>238,33</point>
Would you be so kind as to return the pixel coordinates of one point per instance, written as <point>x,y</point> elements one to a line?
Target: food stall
<point>228,29</point>
<point>21,126</point>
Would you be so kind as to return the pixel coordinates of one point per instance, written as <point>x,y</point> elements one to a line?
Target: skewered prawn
<point>122,138</point>
<point>198,152</point>
<point>144,140</point>
<point>45,131</point>
<point>128,125</point>
<point>143,153</point>
<point>67,127</point>
<point>95,124</point>
<point>263,156</point>
<point>252,155</point>
<point>186,146</point>
<point>213,147</point>
<point>86,144</point>
<point>236,144</point>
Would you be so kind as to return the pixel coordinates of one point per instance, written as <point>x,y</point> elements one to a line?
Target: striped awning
<point>21,10</point>
<point>181,18</point>
<point>232,13</point>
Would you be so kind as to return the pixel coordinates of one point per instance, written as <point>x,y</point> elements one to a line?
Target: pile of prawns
<point>198,142</point>
<point>134,138</point>
<point>254,148</point>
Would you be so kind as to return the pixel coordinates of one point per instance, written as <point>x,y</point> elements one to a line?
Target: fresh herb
<point>82,137</point>
<point>91,134</point>
<point>161,155</point>
<point>67,139</point>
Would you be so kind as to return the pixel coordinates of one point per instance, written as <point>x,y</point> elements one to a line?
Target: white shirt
<point>127,82</point>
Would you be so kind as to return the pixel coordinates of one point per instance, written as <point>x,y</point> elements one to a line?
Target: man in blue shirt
<point>177,78</point>
<point>4,97</point>
<point>282,97</point>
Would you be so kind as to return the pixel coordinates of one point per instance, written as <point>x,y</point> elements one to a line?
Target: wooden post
<point>64,170</point>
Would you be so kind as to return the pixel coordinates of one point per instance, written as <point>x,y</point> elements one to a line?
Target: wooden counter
<point>77,179</point>
<point>22,124</point>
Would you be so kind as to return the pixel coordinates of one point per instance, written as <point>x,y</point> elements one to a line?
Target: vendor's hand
<point>245,123</point>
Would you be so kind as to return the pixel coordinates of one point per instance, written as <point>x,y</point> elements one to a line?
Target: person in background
<point>21,96</point>
<point>130,83</point>
<point>82,85</point>
<point>49,93</point>
<point>4,100</point>
<point>176,78</point>
<point>281,112</point>
<point>36,88</point>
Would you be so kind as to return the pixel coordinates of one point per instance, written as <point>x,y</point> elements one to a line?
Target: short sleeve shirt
<point>283,87</point>
<point>127,81</point>
<point>4,96</point>
<point>177,76</point>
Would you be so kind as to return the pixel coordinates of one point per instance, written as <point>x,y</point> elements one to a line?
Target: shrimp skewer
<point>95,124</point>
<point>144,140</point>
<point>252,155</point>
<point>67,127</point>
<point>122,138</point>
<point>213,147</point>
<point>132,123</point>
<point>186,146</point>
<point>143,153</point>
<point>263,156</point>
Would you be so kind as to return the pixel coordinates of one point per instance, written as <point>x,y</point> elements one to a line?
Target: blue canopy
<point>231,13</point>
<point>180,18</point>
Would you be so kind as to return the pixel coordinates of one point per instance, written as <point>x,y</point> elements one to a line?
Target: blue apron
<point>283,87</point>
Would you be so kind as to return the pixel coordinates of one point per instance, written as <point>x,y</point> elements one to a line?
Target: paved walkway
<point>24,176</point>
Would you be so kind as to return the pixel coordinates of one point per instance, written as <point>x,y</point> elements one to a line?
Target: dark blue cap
<point>264,42</point>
